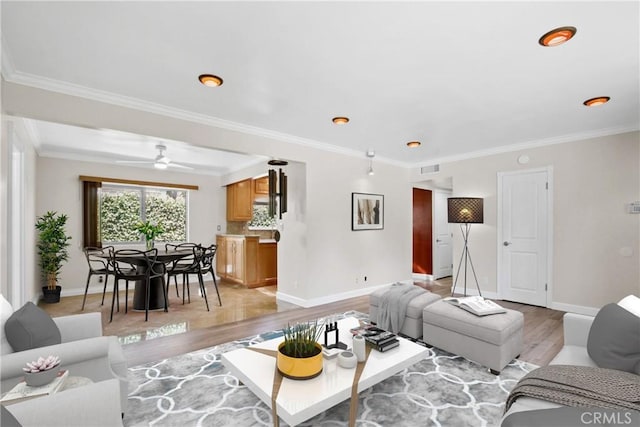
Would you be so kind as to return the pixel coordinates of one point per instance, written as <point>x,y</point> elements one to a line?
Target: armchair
<point>95,404</point>
<point>83,351</point>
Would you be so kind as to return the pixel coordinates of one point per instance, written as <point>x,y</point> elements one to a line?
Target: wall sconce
<point>371,154</point>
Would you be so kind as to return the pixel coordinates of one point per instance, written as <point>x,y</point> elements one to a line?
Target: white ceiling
<point>464,78</point>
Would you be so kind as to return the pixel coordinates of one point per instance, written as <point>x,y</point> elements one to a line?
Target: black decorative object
<point>277,190</point>
<point>333,327</point>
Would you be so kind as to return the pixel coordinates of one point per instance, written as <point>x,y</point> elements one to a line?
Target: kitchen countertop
<point>262,240</point>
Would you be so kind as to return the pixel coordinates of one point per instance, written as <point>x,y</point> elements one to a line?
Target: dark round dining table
<point>156,297</point>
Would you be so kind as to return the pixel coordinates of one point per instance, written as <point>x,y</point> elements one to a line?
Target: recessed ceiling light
<point>340,120</point>
<point>594,102</point>
<point>557,36</point>
<point>414,144</point>
<point>210,80</point>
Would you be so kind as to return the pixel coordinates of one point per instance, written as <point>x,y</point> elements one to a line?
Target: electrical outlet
<point>356,280</point>
<point>365,278</point>
<point>100,279</point>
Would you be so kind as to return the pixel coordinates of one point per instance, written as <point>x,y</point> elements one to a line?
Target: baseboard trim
<point>306,303</point>
<point>76,291</point>
<point>422,276</point>
<point>572,308</point>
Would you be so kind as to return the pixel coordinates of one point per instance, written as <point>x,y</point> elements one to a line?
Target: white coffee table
<point>299,400</point>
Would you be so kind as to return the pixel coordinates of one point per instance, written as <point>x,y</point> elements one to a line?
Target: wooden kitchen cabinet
<point>240,201</point>
<point>261,186</point>
<point>238,261</point>
<point>221,256</point>
<point>268,263</point>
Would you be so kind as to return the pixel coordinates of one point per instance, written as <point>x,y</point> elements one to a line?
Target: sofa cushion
<point>31,327</point>
<point>614,339</point>
<point>5,312</point>
<point>495,329</point>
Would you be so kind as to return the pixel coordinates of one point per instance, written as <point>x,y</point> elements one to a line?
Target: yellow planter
<point>299,368</point>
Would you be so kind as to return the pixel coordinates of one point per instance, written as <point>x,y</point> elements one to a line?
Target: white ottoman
<point>493,340</point>
<point>412,326</point>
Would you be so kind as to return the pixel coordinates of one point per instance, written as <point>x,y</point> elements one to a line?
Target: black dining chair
<point>176,267</point>
<point>147,268</point>
<point>206,266</point>
<point>202,264</point>
<point>97,259</point>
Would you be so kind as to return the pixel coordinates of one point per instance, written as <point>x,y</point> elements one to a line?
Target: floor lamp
<point>465,211</point>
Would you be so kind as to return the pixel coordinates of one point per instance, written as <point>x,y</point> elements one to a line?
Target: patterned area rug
<point>195,389</point>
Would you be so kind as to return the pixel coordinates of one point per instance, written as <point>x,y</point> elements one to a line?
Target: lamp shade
<point>466,210</point>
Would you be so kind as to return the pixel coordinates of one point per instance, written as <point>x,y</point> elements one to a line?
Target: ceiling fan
<point>161,161</point>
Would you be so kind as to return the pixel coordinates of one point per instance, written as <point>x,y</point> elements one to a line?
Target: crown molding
<point>530,145</point>
<point>44,83</point>
<point>7,68</point>
<point>70,89</point>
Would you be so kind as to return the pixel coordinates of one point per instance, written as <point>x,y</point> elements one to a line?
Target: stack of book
<point>383,341</point>
<point>22,391</point>
<point>377,338</point>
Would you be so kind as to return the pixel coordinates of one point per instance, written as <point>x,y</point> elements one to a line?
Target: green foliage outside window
<point>261,217</point>
<point>121,209</point>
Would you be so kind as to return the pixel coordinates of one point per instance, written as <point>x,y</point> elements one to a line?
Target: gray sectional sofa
<point>614,343</point>
<point>83,351</point>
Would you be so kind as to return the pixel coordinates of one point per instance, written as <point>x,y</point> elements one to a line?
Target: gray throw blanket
<point>392,306</point>
<point>580,386</point>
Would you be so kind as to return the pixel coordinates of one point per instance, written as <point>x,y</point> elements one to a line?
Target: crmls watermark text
<point>606,418</point>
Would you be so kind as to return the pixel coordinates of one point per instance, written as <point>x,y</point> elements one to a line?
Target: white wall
<point>321,256</point>
<point>596,245</point>
<point>15,263</point>
<point>58,188</point>
<point>336,259</point>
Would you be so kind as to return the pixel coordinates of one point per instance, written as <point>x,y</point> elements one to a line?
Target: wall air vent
<point>634,207</point>
<point>429,169</point>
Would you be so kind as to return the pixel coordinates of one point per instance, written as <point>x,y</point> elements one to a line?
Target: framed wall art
<point>367,211</point>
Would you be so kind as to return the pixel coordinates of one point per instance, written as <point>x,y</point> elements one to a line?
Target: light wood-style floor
<point>247,312</point>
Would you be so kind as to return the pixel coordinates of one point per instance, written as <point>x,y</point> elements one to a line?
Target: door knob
<point>438,240</point>
<point>506,243</point>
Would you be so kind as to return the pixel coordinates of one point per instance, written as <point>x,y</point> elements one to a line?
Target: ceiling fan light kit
<point>161,161</point>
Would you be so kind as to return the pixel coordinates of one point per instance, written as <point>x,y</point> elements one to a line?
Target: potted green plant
<point>150,231</point>
<point>299,356</point>
<point>52,250</point>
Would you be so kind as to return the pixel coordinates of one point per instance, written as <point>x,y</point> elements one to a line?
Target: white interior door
<point>523,246</point>
<point>442,249</point>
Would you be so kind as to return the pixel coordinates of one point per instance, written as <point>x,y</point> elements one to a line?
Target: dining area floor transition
<point>239,303</point>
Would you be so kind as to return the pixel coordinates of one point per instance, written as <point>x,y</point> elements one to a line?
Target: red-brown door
<point>422,231</point>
